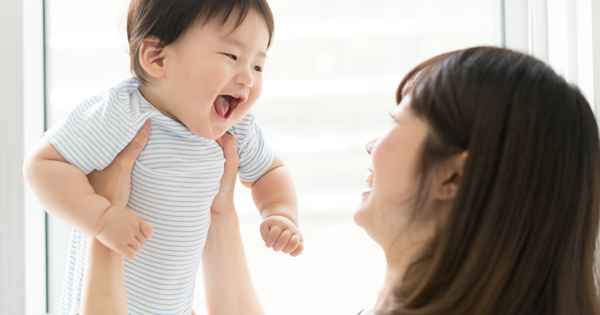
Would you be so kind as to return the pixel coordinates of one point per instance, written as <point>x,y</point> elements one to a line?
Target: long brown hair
<point>521,234</point>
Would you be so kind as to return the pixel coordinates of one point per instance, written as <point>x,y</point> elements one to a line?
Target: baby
<point>198,71</point>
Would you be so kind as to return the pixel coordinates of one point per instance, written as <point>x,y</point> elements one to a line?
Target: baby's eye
<point>233,57</point>
<point>257,68</point>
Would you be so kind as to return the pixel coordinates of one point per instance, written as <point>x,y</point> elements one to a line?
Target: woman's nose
<point>369,145</point>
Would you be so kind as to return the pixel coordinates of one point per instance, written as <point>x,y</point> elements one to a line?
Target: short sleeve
<point>96,130</point>
<point>256,155</point>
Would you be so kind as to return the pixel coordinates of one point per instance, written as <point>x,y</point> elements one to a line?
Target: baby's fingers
<point>282,241</point>
<point>146,229</point>
<point>293,243</point>
<point>140,238</point>
<point>264,231</point>
<point>127,252</point>
<point>274,233</point>
<point>135,244</point>
<point>298,250</point>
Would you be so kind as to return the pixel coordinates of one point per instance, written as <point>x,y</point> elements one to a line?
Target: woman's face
<point>387,202</point>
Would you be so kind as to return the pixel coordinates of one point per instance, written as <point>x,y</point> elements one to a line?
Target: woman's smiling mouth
<point>369,182</point>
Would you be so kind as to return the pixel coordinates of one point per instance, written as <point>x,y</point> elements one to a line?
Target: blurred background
<point>329,84</point>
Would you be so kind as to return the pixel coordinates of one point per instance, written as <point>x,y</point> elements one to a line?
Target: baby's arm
<point>65,192</point>
<point>275,198</point>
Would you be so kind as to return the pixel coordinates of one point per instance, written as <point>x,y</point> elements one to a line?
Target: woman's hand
<point>223,201</point>
<point>122,229</point>
<point>227,283</point>
<point>114,182</point>
<point>103,290</point>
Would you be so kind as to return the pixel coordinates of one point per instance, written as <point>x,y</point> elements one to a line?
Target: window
<point>330,80</point>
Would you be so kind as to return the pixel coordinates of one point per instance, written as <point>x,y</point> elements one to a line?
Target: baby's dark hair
<point>169,19</point>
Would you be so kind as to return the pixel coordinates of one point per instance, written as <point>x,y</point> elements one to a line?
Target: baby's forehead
<point>241,36</point>
<point>226,23</point>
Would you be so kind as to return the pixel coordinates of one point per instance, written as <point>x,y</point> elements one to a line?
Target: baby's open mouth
<point>225,105</point>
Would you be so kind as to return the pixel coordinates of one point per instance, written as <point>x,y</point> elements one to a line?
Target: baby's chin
<point>212,134</point>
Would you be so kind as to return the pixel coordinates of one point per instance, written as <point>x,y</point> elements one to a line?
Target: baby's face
<point>214,74</point>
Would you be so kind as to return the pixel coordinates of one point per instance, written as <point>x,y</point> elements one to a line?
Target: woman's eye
<point>394,119</point>
<point>257,68</point>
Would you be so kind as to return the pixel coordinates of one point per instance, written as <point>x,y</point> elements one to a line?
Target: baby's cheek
<point>242,112</point>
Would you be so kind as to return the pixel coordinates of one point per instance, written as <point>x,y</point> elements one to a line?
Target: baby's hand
<point>124,231</point>
<point>282,234</point>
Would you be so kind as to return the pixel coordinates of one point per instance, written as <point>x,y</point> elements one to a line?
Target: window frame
<point>569,48</point>
<point>35,236</point>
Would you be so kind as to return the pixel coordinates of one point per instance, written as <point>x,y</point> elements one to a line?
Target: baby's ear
<point>152,57</point>
<point>449,177</point>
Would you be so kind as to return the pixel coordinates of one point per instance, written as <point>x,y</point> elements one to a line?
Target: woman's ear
<point>152,57</point>
<point>450,176</point>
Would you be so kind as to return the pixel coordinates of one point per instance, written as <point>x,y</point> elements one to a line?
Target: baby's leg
<point>103,281</point>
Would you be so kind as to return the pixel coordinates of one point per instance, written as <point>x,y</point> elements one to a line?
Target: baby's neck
<point>153,97</point>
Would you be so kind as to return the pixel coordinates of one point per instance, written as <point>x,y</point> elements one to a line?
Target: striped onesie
<point>173,185</point>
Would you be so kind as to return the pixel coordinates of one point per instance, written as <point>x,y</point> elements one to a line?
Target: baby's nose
<point>244,78</point>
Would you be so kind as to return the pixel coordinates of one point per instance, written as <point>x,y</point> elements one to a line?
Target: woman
<point>483,193</point>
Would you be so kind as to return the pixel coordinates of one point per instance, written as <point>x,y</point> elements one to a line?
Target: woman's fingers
<point>114,182</point>
<point>127,157</point>
<point>229,146</point>
<point>224,199</point>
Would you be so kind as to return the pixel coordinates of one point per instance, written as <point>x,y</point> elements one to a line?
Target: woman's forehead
<point>404,105</point>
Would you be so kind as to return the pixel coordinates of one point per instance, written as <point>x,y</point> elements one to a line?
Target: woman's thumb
<point>232,159</point>
<point>136,146</point>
